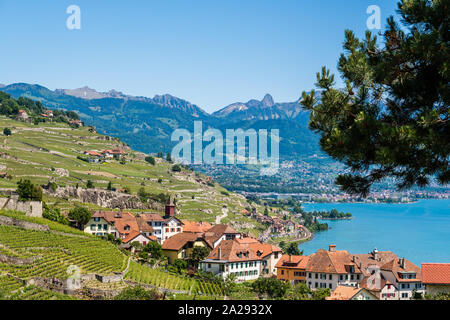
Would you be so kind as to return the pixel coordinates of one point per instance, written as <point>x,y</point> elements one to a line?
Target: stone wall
<point>30,208</point>
<point>109,278</point>
<point>14,260</point>
<point>7,221</point>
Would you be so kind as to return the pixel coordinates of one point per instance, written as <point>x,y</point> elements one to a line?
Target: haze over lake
<point>418,231</point>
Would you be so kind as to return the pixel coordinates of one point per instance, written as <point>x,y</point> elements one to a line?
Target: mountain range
<point>146,124</point>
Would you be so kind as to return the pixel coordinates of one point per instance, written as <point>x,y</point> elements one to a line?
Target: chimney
<point>402,263</point>
<point>332,248</point>
<point>375,254</point>
<point>354,259</point>
<point>219,253</point>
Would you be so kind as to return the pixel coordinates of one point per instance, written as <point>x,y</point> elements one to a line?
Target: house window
<point>405,295</point>
<point>96,219</point>
<point>330,277</point>
<point>167,230</point>
<point>309,275</point>
<point>282,272</point>
<point>221,267</point>
<point>276,255</point>
<point>178,229</point>
<point>105,226</point>
<point>92,227</point>
<point>99,227</point>
<point>209,265</point>
<point>317,276</point>
<point>341,277</point>
<point>330,286</point>
<point>172,229</point>
<point>357,276</point>
<point>351,277</point>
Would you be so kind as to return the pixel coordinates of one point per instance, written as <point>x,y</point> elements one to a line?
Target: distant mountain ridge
<point>146,124</point>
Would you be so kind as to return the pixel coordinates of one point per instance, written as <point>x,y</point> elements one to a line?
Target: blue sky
<point>209,52</point>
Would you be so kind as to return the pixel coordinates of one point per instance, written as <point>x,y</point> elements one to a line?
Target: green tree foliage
<point>168,157</point>
<point>138,293</point>
<point>28,191</point>
<point>154,249</point>
<point>176,168</point>
<point>53,214</point>
<point>321,294</point>
<point>292,249</point>
<point>198,254</point>
<point>109,187</point>
<point>150,160</point>
<point>392,119</point>
<point>89,184</point>
<point>180,265</point>
<point>80,215</point>
<point>7,131</point>
<point>271,287</point>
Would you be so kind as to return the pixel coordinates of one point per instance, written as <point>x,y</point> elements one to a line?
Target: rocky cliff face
<point>104,198</point>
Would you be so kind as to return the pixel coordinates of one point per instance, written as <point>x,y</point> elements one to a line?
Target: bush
<point>176,168</point>
<point>271,287</point>
<point>53,214</point>
<point>89,184</point>
<point>7,131</point>
<point>137,293</point>
<point>150,160</point>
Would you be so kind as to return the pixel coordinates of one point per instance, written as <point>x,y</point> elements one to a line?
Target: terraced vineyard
<point>159,278</point>
<point>13,289</point>
<point>53,253</point>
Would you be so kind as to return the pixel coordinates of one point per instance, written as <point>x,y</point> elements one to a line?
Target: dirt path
<point>224,215</point>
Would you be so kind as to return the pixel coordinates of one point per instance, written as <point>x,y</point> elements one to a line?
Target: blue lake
<point>418,231</point>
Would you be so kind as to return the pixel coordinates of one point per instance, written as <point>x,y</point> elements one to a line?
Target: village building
<point>219,233</point>
<point>181,245</point>
<point>232,257</point>
<point>292,268</point>
<point>136,236</point>
<point>405,276</point>
<point>22,115</point>
<point>330,268</point>
<point>164,227</point>
<point>436,278</point>
<point>109,154</point>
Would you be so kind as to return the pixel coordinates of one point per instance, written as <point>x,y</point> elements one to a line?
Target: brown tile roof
<point>343,293</point>
<point>221,229</point>
<point>151,217</point>
<point>233,251</point>
<point>436,273</point>
<point>395,267</point>
<point>336,262</point>
<point>143,225</point>
<point>294,262</point>
<point>178,241</point>
<point>263,249</point>
<point>133,234</point>
<point>365,260</point>
<point>195,227</point>
<point>372,285</point>
<point>120,220</point>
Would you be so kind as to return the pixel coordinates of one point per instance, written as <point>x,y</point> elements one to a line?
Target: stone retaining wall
<point>8,221</point>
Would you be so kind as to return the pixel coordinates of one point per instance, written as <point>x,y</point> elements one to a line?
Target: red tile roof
<point>436,273</point>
